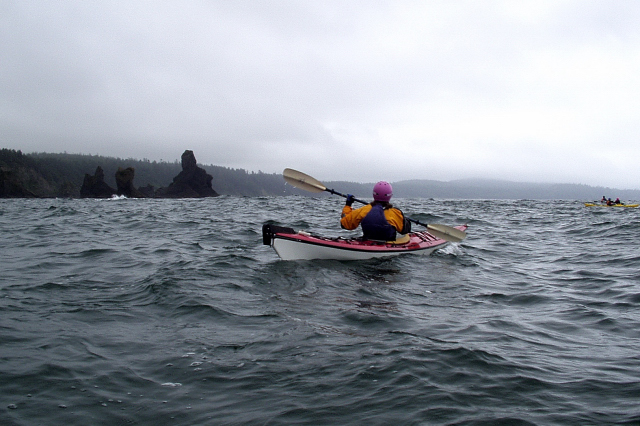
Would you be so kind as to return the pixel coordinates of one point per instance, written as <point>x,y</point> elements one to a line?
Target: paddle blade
<point>447,233</point>
<point>302,181</point>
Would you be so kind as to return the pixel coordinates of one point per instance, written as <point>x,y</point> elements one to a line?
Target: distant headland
<point>47,175</point>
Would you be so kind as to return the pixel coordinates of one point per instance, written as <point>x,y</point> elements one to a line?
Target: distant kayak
<point>614,205</point>
<point>292,245</point>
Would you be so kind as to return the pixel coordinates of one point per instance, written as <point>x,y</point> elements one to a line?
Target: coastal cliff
<point>21,176</point>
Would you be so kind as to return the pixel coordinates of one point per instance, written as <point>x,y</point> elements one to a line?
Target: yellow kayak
<point>614,205</point>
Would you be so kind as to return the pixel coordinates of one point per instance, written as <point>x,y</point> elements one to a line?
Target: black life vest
<point>376,227</point>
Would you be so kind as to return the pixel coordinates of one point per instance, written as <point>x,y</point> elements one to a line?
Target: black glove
<point>350,199</point>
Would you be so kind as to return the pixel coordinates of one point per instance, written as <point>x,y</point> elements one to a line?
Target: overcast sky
<point>534,91</point>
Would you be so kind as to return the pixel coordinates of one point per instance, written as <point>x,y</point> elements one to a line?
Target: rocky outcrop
<point>95,186</point>
<point>11,186</point>
<point>191,182</point>
<point>148,191</point>
<point>50,176</point>
<point>124,183</point>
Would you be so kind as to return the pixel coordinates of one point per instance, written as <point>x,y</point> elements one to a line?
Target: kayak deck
<point>292,245</point>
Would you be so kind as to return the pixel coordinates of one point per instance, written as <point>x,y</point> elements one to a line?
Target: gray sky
<point>539,91</point>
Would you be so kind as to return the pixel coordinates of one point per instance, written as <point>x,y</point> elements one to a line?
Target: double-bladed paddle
<point>306,182</point>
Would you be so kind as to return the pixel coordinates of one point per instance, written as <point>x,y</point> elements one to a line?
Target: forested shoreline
<point>62,175</point>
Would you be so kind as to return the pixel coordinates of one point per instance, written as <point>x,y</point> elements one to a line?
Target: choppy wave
<point>172,311</point>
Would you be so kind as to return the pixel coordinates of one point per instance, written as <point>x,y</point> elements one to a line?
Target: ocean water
<point>173,312</point>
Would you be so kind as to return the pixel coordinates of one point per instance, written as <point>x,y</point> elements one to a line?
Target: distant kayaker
<point>604,199</point>
<point>618,201</point>
<point>609,202</point>
<point>380,220</point>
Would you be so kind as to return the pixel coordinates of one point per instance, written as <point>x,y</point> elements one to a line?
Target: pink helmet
<point>382,191</point>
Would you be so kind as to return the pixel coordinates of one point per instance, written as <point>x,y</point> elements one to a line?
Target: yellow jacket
<point>351,218</point>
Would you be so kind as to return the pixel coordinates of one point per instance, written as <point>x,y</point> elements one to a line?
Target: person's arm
<point>347,220</point>
<point>351,218</point>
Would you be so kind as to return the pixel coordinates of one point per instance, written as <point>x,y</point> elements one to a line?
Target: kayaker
<point>604,199</point>
<point>379,219</point>
<point>609,202</point>
<point>618,201</point>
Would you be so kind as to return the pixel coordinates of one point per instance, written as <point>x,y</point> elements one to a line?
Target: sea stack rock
<point>95,186</point>
<point>191,182</point>
<point>124,181</point>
